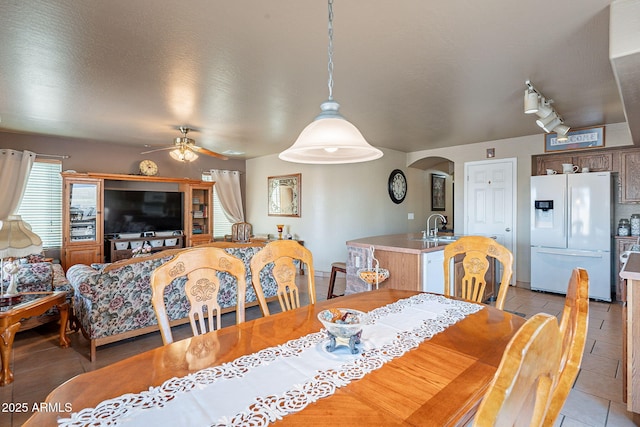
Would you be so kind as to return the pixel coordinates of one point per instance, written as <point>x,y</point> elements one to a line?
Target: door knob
<point>507,229</point>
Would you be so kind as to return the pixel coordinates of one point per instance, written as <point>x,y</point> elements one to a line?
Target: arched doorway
<point>439,184</point>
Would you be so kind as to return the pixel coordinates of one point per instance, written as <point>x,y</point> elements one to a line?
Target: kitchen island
<point>415,263</point>
<point>402,254</point>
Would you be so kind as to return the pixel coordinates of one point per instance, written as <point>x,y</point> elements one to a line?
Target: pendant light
<point>330,138</point>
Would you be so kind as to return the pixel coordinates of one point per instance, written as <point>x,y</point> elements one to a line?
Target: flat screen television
<point>133,211</point>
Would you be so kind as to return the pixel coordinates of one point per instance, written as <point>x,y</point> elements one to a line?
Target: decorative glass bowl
<point>344,327</point>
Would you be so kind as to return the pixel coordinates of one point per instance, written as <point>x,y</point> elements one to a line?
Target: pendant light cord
<point>330,49</point>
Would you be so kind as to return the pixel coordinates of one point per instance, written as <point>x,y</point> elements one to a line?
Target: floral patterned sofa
<point>113,301</point>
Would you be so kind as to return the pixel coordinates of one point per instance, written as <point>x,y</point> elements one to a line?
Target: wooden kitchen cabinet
<point>630,176</point>
<point>596,161</point>
<point>404,269</point>
<point>622,244</point>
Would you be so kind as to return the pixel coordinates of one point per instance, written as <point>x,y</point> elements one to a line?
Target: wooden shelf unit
<point>90,247</point>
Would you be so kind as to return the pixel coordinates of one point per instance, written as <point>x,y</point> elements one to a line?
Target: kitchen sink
<point>443,239</point>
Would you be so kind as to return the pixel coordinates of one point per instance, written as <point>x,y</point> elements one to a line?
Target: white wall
<point>345,202</point>
<point>521,148</point>
<point>339,203</point>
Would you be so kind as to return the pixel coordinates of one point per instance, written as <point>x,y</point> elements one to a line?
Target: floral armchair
<point>37,274</point>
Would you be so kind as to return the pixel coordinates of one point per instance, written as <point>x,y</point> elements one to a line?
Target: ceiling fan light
<point>531,102</point>
<point>182,155</point>
<point>330,139</point>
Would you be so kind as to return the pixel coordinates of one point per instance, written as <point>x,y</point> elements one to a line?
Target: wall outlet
<point>357,261</point>
<point>410,215</point>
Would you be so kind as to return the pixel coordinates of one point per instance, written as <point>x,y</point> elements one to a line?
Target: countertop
<point>410,243</point>
<point>631,269</point>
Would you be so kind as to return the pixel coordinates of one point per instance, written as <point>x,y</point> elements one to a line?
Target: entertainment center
<point>105,216</point>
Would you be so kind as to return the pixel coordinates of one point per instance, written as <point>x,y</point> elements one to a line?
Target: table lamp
<point>16,241</point>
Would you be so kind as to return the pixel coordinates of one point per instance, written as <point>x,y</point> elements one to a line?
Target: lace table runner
<point>260,388</point>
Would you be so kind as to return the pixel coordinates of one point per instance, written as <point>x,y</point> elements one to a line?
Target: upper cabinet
<point>625,162</point>
<point>596,161</point>
<point>630,176</point>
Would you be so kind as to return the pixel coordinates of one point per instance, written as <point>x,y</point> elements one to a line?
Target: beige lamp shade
<point>16,238</point>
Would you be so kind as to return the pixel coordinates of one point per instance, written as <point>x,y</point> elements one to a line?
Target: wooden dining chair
<point>282,254</point>
<point>520,391</point>
<point>200,266</point>
<point>476,249</point>
<point>573,328</point>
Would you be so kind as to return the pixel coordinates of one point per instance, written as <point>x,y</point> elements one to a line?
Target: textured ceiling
<point>249,75</point>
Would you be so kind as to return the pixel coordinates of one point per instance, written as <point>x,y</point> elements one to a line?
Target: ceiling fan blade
<point>201,150</point>
<point>159,149</point>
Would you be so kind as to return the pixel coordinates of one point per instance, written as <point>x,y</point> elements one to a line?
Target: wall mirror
<point>284,195</point>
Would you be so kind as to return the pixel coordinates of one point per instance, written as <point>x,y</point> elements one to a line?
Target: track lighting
<point>548,117</point>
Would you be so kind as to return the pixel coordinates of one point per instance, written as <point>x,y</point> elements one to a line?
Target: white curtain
<point>228,190</point>
<point>14,173</point>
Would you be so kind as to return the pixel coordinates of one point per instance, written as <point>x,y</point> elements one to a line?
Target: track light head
<point>545,109</point>
<point>562,132</point>
<point>549,120</point>
<point>531,101</point>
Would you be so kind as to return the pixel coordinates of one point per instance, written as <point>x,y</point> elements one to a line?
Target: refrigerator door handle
<point>569,211</point>
<point>581,255</point>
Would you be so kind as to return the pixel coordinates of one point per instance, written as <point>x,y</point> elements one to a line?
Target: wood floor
<point>39,365</point>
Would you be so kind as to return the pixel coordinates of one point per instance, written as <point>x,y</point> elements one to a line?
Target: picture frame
<point>579,139</point>
<point>284,195</point>
<point>437,192</point>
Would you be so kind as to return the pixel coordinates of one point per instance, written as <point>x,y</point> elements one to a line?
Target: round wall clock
<point>397,186</point>
<point>148,168</point>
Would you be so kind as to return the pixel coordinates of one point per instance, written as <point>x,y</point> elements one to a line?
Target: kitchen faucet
<point>434,232</point>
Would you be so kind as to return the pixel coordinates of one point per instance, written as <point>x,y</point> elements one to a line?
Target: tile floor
<point>596,399</point>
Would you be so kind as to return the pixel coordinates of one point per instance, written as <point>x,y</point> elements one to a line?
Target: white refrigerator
<point>571,226</point>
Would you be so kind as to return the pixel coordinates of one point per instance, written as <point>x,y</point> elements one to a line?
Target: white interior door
<point>490,201</point>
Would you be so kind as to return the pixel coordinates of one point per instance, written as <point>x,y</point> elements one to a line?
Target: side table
<point>32,304</point>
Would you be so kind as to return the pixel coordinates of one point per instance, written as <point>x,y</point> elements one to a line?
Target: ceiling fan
<point>184,149</point>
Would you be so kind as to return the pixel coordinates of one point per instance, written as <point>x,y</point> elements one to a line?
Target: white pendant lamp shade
<point>330,139</point>
<point>16,238</point>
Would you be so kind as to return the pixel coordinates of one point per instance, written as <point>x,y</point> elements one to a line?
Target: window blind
<point>221,224</point>
<point>41,204</point>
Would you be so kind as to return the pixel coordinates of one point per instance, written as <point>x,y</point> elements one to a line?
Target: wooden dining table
<point>439,383</point>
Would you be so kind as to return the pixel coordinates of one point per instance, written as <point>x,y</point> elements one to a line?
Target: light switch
<point>410,216</point>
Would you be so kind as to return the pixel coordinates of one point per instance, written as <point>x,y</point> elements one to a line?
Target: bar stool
<point>335,267</point>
